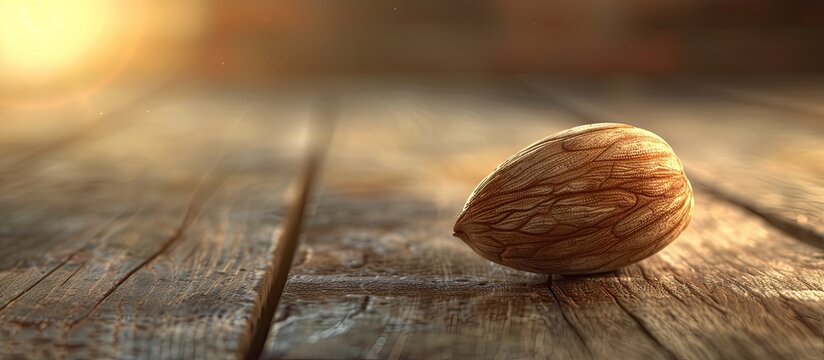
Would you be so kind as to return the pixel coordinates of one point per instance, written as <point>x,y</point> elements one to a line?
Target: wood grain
<point>152,242</point>
<point>380,277</point>
<point>763,158</point>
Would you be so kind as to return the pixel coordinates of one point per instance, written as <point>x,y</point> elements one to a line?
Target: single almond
<point>590,199</point>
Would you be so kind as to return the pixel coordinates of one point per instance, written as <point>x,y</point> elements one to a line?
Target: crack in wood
<point>82,265</point>
<point>641,325</point>
<point>564,315</point>
<point>46,275</point>
<point>205,189</point>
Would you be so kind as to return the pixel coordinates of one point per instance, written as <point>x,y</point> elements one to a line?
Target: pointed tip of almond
<point>458,227</point>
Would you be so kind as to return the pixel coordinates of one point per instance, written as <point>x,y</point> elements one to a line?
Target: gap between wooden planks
<point>378,277</point>
<point>320,136</point>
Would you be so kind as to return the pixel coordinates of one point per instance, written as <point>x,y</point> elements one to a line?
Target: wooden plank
<point>761,157</point>
<point>379,275</point>
<point>154,242</point>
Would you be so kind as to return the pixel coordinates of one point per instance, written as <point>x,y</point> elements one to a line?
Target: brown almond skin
<point>590,199</point>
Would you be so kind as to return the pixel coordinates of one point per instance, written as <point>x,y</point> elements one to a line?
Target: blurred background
<point>59,53</point>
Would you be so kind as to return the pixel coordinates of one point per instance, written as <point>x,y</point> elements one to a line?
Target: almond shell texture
<point>590,199</point>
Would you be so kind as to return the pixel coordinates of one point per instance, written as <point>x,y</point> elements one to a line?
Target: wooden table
<point>314,221</point>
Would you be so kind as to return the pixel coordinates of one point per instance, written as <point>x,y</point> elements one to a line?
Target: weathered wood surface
<point>161,230</point>
<point>379,275</point>
<point>153,241</point>
<point>765,158</point>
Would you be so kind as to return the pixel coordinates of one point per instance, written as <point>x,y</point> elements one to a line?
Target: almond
<point>590,199</point>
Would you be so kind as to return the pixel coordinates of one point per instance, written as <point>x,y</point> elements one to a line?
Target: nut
<point>590,199</point>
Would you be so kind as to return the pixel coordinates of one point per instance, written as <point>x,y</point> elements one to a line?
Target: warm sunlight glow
<point>42,38</point>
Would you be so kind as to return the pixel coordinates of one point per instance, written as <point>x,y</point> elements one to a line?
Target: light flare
<point>56,52</point>
<point>40,39</point>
